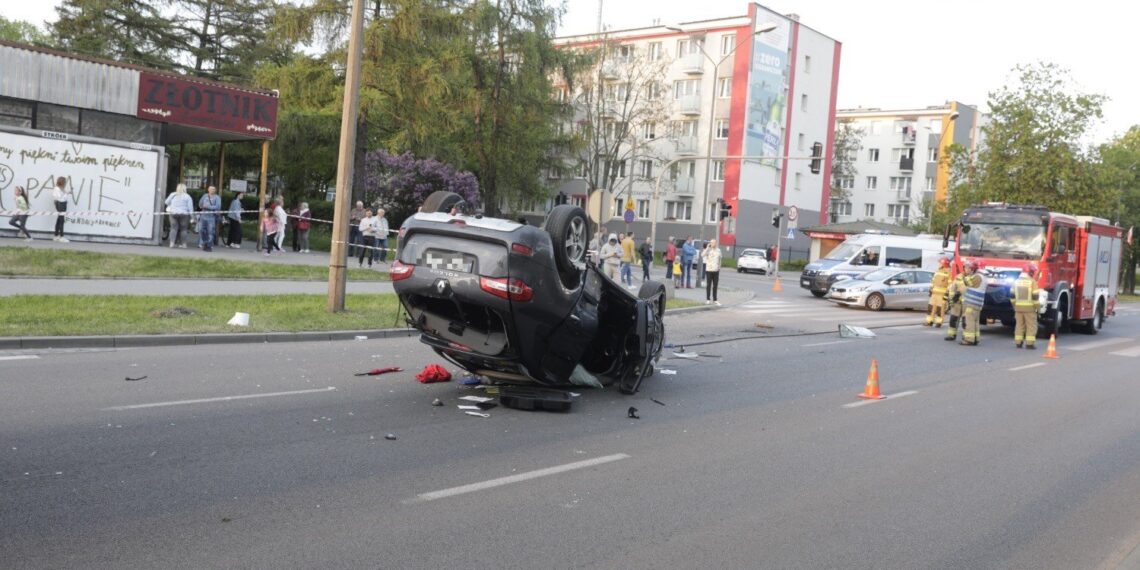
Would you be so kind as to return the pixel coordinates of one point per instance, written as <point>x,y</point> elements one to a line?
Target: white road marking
<point>1131,352</point>
<point>1027,366</point>
<point>871,321</point>
<point>788,312</point>
<point>221,399</point>
<point>888,397</point>
<point>474,487</point>
<point>1097,344</point>
<point>20,357</point>
<point>827,343</point>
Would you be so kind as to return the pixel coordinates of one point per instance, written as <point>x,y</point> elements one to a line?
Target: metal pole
<point>345,162</point>
<point>779,237</point>
<point>262,187</point>
<point>708,144</point>
<point>221,166</point>
<point>181,161</point>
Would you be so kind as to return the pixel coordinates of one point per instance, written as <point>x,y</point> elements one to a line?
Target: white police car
<point>752,260</point>
<point>886,288</point>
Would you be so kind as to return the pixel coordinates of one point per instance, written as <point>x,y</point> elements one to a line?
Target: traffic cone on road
<point>871,391</point>
<point>1051,351</point>
<point>776,286</point>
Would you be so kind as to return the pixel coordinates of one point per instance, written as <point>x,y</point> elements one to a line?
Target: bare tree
<point>848,143</point>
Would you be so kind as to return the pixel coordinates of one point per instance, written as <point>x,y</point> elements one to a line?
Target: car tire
<point>739,270</point>
<point>444,201</point>
<point>819,294</point>
<point>654,290</point>
<point>1093,325</point>
<point>875,302</point>
<point>569,231</point>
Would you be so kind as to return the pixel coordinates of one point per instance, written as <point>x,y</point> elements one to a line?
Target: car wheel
<point>444,201</point>
<point>819,294</point>
<point>569,230</point>
<point>875,302</point>
<point>654,290</point>
<point>739,270</point>
<point>1093,325</point>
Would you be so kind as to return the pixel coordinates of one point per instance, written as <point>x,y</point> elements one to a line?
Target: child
<point>20,220</point>
<point>269,227</point>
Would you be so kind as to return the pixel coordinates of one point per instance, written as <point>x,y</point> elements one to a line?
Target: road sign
<point>628,216</point>
<point>791,233</point>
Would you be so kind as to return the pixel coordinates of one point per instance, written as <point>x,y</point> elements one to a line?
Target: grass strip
<point>80,315</point>
<point>28,262</point>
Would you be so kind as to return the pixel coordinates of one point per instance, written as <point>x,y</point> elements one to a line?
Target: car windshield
<point>1007,241</point>
<point>878,275</point>
<point>752,253</point>
<point>844,252</point>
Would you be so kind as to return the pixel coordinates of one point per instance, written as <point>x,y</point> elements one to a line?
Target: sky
<point>907,53</point>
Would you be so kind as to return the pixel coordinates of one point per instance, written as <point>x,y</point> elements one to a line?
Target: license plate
<point>448,260</point>
<point>805,282</point>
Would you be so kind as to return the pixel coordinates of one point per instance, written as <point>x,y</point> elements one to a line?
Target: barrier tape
<point>14,213</point>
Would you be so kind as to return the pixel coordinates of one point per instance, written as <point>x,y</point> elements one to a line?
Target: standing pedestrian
<point>368,234</point>
<point>670,256</point>
<point>954,306</point>
<point>20,220</point>
<point>60,195</point>
<point>646,253</point>
<point>701,265</point>
<point>1025,306</point>
<point>688,252</point>
<point>179,205</point>
<point>770,253</point>
<point>234,216</point>
<point>382,235</point>
<point>972,300</point>
<point>282,220</point>
<point>293,214</point>
<point>304,222</point>
<point>210,204</point>
<point>711,258</point>
<point>269,228</point>
<point>611,254</point>
<point>936,305</point>
<point>354,217</point>
<point>627,247</point>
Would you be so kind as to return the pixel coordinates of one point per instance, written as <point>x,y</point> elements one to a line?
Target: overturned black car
<point>517,303</point>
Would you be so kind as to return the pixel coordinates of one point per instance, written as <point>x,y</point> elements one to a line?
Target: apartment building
<point>760,86</point>
<point>897,171</point>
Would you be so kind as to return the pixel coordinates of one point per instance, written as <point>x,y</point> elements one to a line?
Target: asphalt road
<point>984,457</point>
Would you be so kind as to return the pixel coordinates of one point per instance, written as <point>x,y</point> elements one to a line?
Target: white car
<point>886,288</point>
<point>752,260</point>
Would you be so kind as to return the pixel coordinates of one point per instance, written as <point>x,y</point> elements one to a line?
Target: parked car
<point>518,303</point>
<point>864,252</point>
<point>752,260</point>
<point>887,288</point>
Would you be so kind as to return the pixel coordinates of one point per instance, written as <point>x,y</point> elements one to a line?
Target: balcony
<point>611,110</point>
<point>686,146</point>
<point>693,63</point>
<point>909,136</point>
<point>685,185</point>
<point>690,104</point>
<point>611,71</point>
<point>906,164</point>
<point>903,195</point>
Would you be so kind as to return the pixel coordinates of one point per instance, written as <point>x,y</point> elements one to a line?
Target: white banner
<point>113,188</point>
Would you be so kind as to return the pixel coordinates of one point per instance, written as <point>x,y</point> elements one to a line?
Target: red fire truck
<point>1078,257</point>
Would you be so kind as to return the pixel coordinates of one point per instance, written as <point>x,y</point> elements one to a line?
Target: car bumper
<point>850,299</point>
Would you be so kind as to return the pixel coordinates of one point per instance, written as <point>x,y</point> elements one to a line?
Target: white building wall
<point>813,81</point>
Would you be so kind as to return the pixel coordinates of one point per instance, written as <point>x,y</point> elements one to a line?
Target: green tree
<point>1121,173</point>
<point>22,32</point>
<point>226,40</point>
<point>130,31</point>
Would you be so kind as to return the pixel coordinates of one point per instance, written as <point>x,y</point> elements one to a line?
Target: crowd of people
<point>618,254</point>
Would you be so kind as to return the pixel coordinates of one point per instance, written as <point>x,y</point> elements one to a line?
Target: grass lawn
<point>65,315</point>
<point>28,262</point>
<point>1128,298</point>
<point>676,303</point>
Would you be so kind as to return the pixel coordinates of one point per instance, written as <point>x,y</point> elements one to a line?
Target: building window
<point>840,208</point>
<point>653,51</point>
<point>584,170</point>
<point>869,210</point>
<point>872,182</point>
<point>901,211</point>
<point>721,129</point>
<point>935,126</point>
<point>718,170</point>
<point>846,183</point>
<point>15,113</point>
<point>800,141</point>
<point>872,155</point>
<point>713,211</point>
<point>803,102</point>
<point>724,87</point>
<point>932,154</point>
<point>619,206</point>
<point>682,211</point>
<point>578,200</point>
<point>807,64</point>
<point>684,128</point>
<point>901,183</point>
<point>685,87</point>
<point>727,43</point>
<point>799,177</point>
<point>646,168</point>
<point>688,46</point>
<point>554,172</point>
<point>56,118</point>
<point>649,131</point>
<point>643,209</point>
<point>617,92</point>
<point>929,183</point>
<point>622,53</point>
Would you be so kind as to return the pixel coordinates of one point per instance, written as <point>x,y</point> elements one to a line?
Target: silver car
<point>887,288</point>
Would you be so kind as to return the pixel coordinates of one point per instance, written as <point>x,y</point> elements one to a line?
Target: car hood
<point>822,264</point>
<point>849,283</point>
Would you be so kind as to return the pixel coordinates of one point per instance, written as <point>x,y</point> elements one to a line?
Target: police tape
<point>130,213</point>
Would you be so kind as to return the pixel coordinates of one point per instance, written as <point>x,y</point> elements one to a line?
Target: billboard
<point>767,89</point>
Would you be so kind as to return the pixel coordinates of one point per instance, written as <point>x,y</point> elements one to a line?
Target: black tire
<point>1093,325</point>
<point>819,294</point>
<point>739,270</point>
<point>654,289</point>
<point>876,302</point>
<point>569,230</point>
<point>444,201</point>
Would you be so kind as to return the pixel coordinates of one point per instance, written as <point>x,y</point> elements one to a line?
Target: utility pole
<point>345,162</point>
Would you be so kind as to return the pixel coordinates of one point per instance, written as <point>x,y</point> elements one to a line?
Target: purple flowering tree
<point>400,183</point>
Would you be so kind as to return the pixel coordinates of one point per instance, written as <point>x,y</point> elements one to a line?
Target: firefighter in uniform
<point>1025,305</point>
<point>936,306</point>
<point>954,306</point>
<point>971,316</point>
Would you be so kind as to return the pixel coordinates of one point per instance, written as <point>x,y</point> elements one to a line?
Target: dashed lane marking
<point>1131,352</point>
<point>1097,344</point>
<point>20,357</point>
<point>474,487</point>
<point>1027,366</point>
<point>221,399</point>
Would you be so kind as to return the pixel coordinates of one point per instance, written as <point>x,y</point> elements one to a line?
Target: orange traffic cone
<point>776,286</point>
<point>1051,352</point>
<point>871,392</point>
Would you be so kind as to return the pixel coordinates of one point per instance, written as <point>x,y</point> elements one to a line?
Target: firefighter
<point>954,306</point>
<point>936,306</point>
<point>971,315</point>
<point>1025,306</point>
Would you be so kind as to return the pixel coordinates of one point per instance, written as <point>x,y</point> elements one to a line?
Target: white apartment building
<point>898,174</point>
<point>771,97</point>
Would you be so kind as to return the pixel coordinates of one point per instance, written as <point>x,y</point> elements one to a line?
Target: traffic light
<point>725,209</point>
<point>816,157</point>
<point>776,215</point>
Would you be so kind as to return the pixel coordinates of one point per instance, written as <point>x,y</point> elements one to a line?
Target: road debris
<point>433,373</point>
<point>468,407</point>
<point>657,401</point>
<point>478,414</point>
<point>470,380</point>
<point>476,399</point>
<point>437,402</point>
<point>239,320</point>
<point>852,331</point>
<point>534,399</point>
<point>379,371</point>
<point>688,355</point>
<point>668,372</point>
<point>129,379</point>
<point>632,413</point>
<point>390,437</point>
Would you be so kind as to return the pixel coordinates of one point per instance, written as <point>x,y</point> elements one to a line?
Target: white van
<point>865,252</point>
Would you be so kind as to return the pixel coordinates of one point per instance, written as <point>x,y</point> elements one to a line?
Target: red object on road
<point>433,373</point>
<point>379,371</point>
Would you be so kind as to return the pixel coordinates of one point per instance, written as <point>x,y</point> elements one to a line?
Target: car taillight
<point>507,288</point>
<point>401,270</point>
<point>521,249</point>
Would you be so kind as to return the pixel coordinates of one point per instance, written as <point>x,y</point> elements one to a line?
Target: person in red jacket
<point>670,255</point>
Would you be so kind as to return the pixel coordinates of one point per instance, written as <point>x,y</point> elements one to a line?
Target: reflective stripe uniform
<point>936,306</point>
<point>1025,307</point>
<point>954,296</point>
<point>971,316</point>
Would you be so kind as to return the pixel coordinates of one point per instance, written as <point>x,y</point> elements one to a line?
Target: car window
<point>878,275</point>
<point>904,257</point>
<point>869,256</point>
<point>923,276</point>
<point>904,278</point>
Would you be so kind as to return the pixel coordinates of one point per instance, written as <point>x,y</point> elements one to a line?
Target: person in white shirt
<point>382,235</point>
<point>610,255</point>
<point>711,257</point>
<point>60,195</point>
<point>368,228</point>
<point>179,205</point>
<point>282,219</point>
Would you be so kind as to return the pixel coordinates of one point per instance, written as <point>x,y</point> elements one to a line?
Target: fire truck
<point>1078,260</point>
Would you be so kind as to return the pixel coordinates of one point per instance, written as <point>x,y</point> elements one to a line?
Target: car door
<point>898,290</point>
<point>921,286</point>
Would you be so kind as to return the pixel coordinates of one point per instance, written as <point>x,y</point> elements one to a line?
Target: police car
<point>886,288</point>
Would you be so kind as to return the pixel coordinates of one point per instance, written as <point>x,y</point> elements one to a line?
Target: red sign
<point>172,100</point>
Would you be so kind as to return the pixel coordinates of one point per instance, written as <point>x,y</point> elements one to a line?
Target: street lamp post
<point>934,193</point>
<point>712,109</point>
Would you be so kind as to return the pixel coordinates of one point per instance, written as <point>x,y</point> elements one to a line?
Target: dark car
<point>515,302</point>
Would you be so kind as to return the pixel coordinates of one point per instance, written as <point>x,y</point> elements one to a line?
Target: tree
<point>401,183</point>
<point>1121,171</point>
<point>226,40</point>
<point>848,143</point>
<point>130,31</point>
<point>22,32</point>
